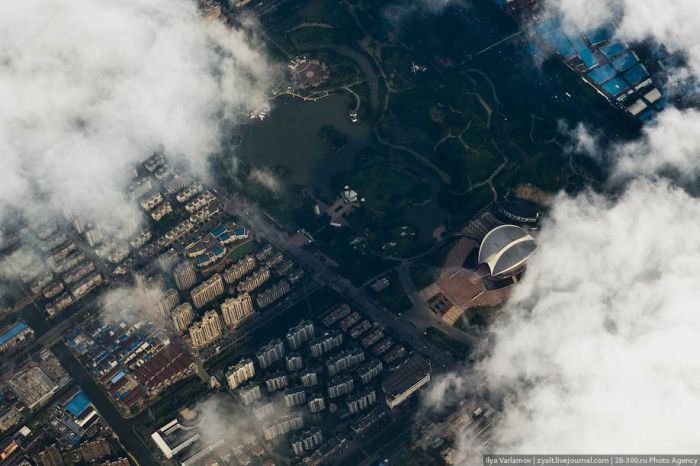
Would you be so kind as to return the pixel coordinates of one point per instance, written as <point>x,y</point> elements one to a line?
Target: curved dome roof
<point>505,248</point>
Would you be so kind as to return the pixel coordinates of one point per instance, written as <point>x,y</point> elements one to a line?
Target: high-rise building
<point>236,310</point>
<point>185,275</point>
<point>297,446</point>
<point>300,334</point>
<point>360,401</point>
<point>307,441</point>
<point>294,397</point>
<point>94,450</point>
<point>325,343</point>
<point>309,378</point>
<point>50,456</point>
<point>255,280</point>
<point>169,300</point>
<point>294,362</point>
<point>249,393</point>
<point>239,373</point>
<point>239,269</point>
<point>206,330</point>
<point>273,293</point>
<point>283,425</point>
<point>343,360</point>
<point>340,385</point>
<point>316,403</point>
<point>182,317</point>
<point>276,381</point>
<point>167,260</point>
<point>263,411</point>
<point>270,353</point>
<point>207,291</point>
<point>369,370</point>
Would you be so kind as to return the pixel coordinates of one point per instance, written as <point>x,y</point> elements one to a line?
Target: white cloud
<point>670,142</point>
<point>89,88</point>
<point>595,353</point>
<point>668,22</point>
<point>266,178</point>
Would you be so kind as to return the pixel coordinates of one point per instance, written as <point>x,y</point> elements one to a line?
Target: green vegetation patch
<point>459,350</point>
<point>393,297</point>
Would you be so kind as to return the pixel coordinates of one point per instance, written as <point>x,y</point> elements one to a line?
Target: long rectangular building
<point>413,374</point>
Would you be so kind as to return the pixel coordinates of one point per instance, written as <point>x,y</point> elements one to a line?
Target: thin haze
<point>89,88</point>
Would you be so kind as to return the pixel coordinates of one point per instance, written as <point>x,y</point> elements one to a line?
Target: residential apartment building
<point>207,291</point>
<point>236,310</point>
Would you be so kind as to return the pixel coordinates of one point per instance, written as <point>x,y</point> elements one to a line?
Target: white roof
<point>505,248</point>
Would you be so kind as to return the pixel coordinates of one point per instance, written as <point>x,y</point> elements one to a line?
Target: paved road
<point>248,214</point>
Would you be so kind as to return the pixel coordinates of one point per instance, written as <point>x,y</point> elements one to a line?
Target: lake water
<point>289,137</point>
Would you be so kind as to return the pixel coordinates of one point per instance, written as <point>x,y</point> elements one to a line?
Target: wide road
<point>249,214</point>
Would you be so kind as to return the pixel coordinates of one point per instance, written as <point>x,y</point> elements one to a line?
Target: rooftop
<point>407,375</point>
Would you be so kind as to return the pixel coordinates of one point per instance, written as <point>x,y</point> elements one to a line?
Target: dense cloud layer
<point>672,23</point>
<point>670,142</point>
<point>596,351</point>
<point>89,88</point>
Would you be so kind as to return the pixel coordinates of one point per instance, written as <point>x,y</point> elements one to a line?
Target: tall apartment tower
<point>206,330</point>
<point>182,317</point>
<point>237,309</point>
<point>239,269</point>
<point>270,353</point>
<point>185,275</point>
<point>169,300</point>
<point>239,373</point>
<point>300,333</point>
<point>167,260</point>
<point>207,291</point>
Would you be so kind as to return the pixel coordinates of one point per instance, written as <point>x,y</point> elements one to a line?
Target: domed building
<point>505,249</point>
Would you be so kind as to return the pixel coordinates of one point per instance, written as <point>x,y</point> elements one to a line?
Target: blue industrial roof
<point>218,250</point>
<point>12,332</point>
<point>615,86</point>
<point>588,58</point>
<point>613,48</point>
<point>560,43</point>
<point>548,26</point>
<point>602,74</point>
<point>240,231</point>
<point>117,377</point>
<point>78,404</point>
<point>599,35</point>
<point>625,61</point>
<point>636,74</point>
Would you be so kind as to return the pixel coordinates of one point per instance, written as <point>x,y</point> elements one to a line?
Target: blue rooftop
<point>548,26</point>
<point>602,74</point>
<point>560,43</point>
<point>599,35</point>
<point>636,74</point>
<point>12,332</point>
<point>78,404</point>
<point>613,48</point>
<point>625,61</point>
<point>615,86</point>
